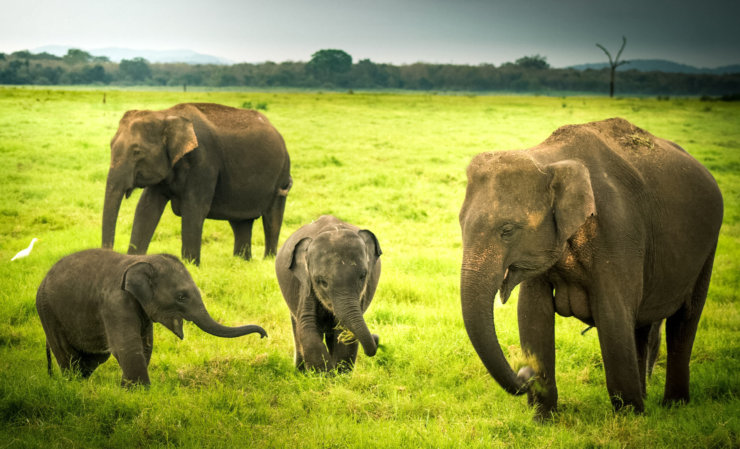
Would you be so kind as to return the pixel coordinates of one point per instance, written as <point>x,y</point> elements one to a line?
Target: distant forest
<point>335,69</point>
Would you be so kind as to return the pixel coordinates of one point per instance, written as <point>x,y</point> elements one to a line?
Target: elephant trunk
<point>116,187</point>
<point>477,292</point>
<point>349,315</point>
<point>203,320</point>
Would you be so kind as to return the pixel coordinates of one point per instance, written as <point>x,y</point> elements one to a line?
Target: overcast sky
<point>702,33</point>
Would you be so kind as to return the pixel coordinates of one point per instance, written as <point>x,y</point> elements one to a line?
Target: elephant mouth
<point>345,335</point>
<point>513,276</point>
<point>174,324</point>
<point>506,285</point>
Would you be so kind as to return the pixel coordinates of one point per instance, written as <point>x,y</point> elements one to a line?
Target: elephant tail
<point>283,191</point>
<point>48,359</point>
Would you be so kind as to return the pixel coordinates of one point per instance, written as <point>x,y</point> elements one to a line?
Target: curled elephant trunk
<point>350,317</point>
<point>477,292</point>
<point>203,320</point>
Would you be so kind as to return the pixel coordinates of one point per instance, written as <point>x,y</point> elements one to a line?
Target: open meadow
<point>392,163</point>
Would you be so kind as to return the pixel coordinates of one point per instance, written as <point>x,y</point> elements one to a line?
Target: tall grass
<point>393,163</point>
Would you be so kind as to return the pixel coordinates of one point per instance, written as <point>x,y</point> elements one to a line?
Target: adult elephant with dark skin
<point>604,222</point>
<point>210,161</point>
<point>97,302</point>
<point>328,271</point>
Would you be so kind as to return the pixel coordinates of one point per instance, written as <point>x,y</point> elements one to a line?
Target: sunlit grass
<point>392,163</point>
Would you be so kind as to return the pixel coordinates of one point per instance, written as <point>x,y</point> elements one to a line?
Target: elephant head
<point>168,295</point>
<point>336,267</point>
<point>516,220</point>
<point>144,150</point>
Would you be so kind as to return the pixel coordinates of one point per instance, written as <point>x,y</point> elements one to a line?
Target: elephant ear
<point>573,197</point>
<point>179,137</point>
<point>371,242</point>
<point>137,280</point>
<point>298,260</point>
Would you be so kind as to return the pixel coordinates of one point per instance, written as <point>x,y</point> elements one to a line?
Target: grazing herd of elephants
<point>602,221</point>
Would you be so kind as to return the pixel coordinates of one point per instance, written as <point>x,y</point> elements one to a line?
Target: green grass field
<point>393,163</point>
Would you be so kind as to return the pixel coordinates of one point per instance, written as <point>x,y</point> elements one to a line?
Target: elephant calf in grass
<point>97,302</point>
<point>328,272</point>
<point>604,222</point>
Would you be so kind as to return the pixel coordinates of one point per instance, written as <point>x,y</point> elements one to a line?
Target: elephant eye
<point>321,282</point>
<point>507,231</point>
<point>182,297</point>
<point>363,275</point>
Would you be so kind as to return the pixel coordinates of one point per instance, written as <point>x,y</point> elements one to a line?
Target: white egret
<point>25,252</point>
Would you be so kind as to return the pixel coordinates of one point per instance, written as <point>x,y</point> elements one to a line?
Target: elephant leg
<point>242,237</point>
<point>343,355</point>
<point>128,345</point>
<point>148,212</point>
<point>616,329</point>
<point>70,359</point>
<point>315,354</point>
<point>680,333</point>
<point>298,359</point>
<point>642,337</point>
<point>192,234</point>
<point>536,315</point>
<point>89,362</point>
<point>272,220</point>
<point>147,341</point>
<point>134,367</point>
<point>195,204</point>
<point>132,357</point>
<point>67,357</point>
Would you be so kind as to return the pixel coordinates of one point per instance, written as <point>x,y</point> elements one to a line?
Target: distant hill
<point>115,54</point>
<point>661,65</point>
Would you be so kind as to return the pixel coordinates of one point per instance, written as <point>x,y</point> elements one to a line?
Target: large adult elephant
<point>604,222</point>
<point>210,161</point>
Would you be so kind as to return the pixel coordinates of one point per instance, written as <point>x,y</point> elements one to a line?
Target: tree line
<point>335,69</point>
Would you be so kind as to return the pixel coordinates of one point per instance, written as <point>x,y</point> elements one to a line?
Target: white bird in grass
<point>25,252</point>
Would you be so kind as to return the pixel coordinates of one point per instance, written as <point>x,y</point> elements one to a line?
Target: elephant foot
<point>620,405</point>
<point>671,402</point>
<point>541,395</point>
<point>246,255</point>
<point>544,415</point>
<point>675,395</point>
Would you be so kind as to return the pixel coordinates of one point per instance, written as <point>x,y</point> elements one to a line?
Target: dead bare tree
<point>614,63</point>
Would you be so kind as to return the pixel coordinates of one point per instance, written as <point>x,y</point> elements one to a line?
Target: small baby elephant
<point>328,271</point>
<point>97,302</point>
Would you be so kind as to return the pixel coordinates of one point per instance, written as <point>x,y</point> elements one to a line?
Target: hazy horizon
<point>463,32</point>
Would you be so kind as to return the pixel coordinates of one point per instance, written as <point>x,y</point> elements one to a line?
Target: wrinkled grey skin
<point>604,222</point>
<point>97,302</point>
<point>209,161</point>
<point>328,272</point>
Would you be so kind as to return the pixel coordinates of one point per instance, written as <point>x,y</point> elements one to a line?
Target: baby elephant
<point>328,271</point>
<point>97,302</point>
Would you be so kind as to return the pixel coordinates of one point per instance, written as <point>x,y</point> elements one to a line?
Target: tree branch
<point>624,43</point>
<point>607,53</point>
